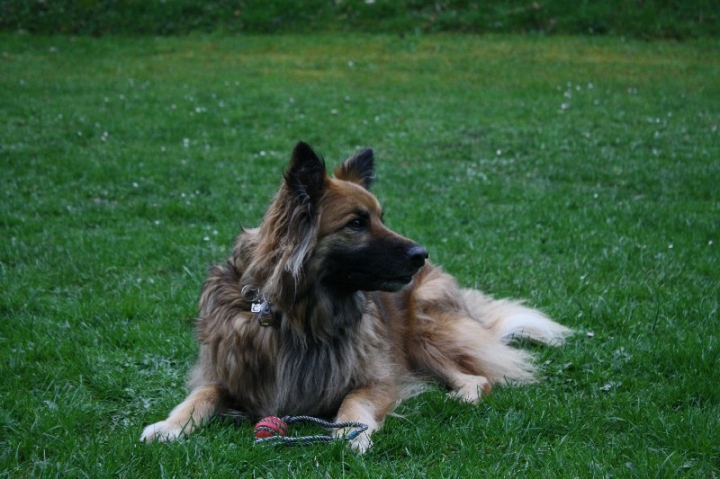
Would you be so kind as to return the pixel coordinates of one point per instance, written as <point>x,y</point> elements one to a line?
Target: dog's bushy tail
<point>510,319</point>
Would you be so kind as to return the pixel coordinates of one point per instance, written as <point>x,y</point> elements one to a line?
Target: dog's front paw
<point>360,443</point>
<point>163,431</point>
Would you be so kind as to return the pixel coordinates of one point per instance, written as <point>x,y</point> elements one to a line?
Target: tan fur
<point>338,351</point>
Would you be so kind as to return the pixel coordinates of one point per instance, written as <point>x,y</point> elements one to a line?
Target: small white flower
<point>186,142</point>
<point>206,238</point>
<point>608,386</point>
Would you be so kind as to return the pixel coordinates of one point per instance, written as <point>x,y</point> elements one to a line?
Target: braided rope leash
<point>274,430</point>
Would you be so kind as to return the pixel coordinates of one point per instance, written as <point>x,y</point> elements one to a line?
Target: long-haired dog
<point>324,311</point>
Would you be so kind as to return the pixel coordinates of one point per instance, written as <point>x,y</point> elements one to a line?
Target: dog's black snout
<point>417,255</point>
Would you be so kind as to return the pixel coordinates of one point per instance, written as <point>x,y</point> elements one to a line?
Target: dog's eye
<point>358,224</point>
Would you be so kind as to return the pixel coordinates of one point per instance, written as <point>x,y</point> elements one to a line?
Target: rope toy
<point>273,429</point>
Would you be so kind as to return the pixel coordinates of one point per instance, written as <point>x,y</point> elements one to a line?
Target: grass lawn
<point>581,174</point>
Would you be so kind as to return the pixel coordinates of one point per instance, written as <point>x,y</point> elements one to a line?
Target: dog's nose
<point>417,255</point>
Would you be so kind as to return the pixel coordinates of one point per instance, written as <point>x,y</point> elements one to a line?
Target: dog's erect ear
<point>306,174</point>
<point>359,168</point>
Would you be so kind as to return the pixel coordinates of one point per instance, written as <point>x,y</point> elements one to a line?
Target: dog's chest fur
<point>279,370</point>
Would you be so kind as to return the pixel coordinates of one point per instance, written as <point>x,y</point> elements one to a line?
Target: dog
<point>324,311</point>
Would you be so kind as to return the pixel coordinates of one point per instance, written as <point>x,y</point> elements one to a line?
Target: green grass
<point>581,174</point>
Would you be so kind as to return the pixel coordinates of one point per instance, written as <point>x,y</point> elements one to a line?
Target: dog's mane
<point>280,247</point>
<point>276,257</point>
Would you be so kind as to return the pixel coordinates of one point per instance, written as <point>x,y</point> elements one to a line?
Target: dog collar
<point>259,305</point>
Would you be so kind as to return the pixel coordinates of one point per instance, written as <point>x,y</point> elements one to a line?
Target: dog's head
<point>331,229</point>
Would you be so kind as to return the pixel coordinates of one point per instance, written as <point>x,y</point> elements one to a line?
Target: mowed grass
<point>580,174</point>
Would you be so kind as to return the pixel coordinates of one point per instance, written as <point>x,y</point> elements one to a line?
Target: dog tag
<point>265,315</point>
<point>256,307</point>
